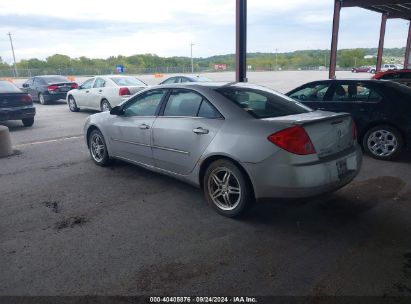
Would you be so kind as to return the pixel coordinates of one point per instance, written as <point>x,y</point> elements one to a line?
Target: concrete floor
<point>69,227</point>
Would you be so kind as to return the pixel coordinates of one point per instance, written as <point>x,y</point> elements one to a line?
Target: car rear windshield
<point>127,81</point>
<point>6,86</point>
<point>55,79</point>
<point>262,102</point>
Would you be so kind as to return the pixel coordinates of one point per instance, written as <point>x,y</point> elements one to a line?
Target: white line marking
<point>49,141</point>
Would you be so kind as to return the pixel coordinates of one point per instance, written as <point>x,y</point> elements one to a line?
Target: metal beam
<point>241,41</point>
<point>381,42</point>
<point>351,3</point>
<point>334,39</point>
<point>407,62</point>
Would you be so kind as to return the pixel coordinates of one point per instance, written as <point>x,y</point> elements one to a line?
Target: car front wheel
<point>383,142</point>
<point>72,104</point>
<point>226,188</point>
<point>98,148</point>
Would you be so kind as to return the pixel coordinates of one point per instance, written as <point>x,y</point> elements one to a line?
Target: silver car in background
<point>238,142</point>
<point>103,92</point>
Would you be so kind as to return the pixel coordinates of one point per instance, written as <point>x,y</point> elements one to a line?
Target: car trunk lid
<point>10,100</point>
<point>61,87</point>
<point>329,132</point>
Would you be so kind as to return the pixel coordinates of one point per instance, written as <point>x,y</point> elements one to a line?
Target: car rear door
<point>183,130</point>
<point>130,133</point>
<point>362,100</point>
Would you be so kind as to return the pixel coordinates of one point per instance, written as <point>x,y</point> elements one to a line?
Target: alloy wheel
<point>97,147</point>
<point>224,188</point>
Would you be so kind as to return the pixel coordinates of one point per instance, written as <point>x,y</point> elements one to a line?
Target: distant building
<point>220,67</point>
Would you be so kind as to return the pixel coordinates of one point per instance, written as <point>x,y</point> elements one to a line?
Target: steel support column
<point>407,63</point>
<point>241,41</point>
<point>384,18</point>
<point>334,40</point>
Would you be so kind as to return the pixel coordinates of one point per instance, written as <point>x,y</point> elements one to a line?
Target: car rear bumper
<point>274,179</point>
<point>54,96</point>
<point>17,113</point>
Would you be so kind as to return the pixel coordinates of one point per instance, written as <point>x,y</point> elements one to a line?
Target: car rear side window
<point>355,92</point>
<point>6,86</point>
<point>99,83</point>
<point>263,103</point>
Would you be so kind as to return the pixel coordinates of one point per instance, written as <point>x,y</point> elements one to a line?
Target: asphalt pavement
<point>69,227</point>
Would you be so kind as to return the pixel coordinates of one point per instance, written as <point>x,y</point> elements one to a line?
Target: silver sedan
<point>238,142</point>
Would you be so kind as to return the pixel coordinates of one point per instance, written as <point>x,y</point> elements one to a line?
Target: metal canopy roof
<point>393,8</point>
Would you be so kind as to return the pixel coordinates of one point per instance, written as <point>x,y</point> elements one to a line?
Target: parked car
<point>48,88</point>
<point>381,110</point>
<point>185,78</point>
<point>15,104</point>
<point>363,69</point>
<point>239,142</point>
<point>103,92</point>
<point>401,76</point>
<point>390,66</point>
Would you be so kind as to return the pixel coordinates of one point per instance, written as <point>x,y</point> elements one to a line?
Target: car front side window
<point>88,84</point>
<point>145,104</point>
<point>313,92</point>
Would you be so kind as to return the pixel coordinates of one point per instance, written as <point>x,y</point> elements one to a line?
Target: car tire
<point>42,100</point>
<point>72,104</point>
<point>98,148</point>
<point>372,71</point>
<point>222,177</point>
<point>28,122</point>
<point>383,142</point>
<point>105,105</point>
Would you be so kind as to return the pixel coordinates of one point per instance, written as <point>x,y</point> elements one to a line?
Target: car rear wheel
<point>105,105</point>
<point>98,148</point>
<point>72,104</point>
<point>226,188</point>
<point>383,142</point>
<point>28,122</point>
<point>42,100</point>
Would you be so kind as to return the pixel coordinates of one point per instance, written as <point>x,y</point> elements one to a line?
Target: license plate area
<point>342,168</point>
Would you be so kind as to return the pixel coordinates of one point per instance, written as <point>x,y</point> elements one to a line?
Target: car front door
<point>96,93</point>
<point>130,133</point>
<point>312,94</point>
<point>184,129</point>
<point>83,95</point>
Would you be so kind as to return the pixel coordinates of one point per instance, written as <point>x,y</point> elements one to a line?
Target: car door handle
<point>144,126</point>
<point>87,91</point>
<point>200,131</point>
<point>100,91</point>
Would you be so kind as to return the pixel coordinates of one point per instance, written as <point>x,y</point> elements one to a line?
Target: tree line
<point>346,58</point>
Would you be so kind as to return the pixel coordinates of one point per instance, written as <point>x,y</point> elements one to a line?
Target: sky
<point>99,29</point>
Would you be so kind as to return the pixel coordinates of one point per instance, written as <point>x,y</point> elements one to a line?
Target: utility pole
<point>191,53</point>
<point>276,60</point>
<point>14,57</point>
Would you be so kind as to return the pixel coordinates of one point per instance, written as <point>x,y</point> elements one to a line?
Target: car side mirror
<point>117,110</point>
<point>25,85</point>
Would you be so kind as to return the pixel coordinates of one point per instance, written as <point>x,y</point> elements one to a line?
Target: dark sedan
<point>381,110</point>
<point>15,104</point>
<point>48,88</point>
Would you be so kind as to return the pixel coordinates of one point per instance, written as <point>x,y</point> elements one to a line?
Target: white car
<point>103,92</point>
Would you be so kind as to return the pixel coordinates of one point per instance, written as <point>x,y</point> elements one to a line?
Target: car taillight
<point>26,99</point>
<point>124,91</point>
<point>354,130</point>
<point>74,85</point>
<point>294,140</point>
<point>52,88</point>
